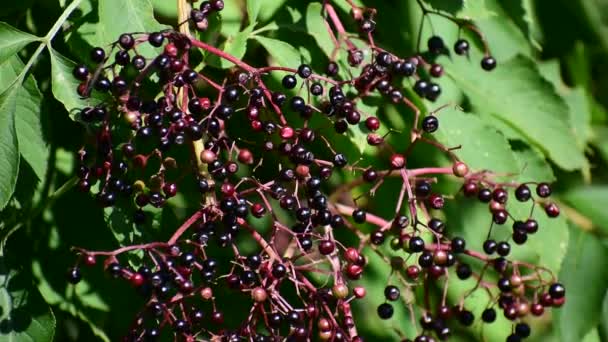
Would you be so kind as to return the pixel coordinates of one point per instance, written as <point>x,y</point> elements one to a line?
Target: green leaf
<point>317,28</point>
<point>284,54</point>
<point>234,45</point>
<point>12,41</point>
<point>25,315</point>
<point>9,146</point>
<point>518,95</point>
<point>585,200</point>
<point>28,120</point>
<point>586,260</point>
<point>253,10</point>
<point>119,16</point>
<point>482,147</point>
<point>64,85</point>
<point>532,166</point>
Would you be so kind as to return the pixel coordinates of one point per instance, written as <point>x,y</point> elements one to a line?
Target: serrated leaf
<point>532,167</point>
<point>586,259</point>
<point>284,54</point>
<point>586,199</point>
<point>253,10</point>
<point>9,146</point>
<point>135,16</point>
<point>28,120</point>
<point>234,45</point>
<point>317,28</point>
<point>64,85</point>
<point>516,94</point>
<point>482,147</point>
<point>25,315</point>
<point>12,41</point>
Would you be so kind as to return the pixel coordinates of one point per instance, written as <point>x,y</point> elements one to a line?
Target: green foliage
<point>540,116</point>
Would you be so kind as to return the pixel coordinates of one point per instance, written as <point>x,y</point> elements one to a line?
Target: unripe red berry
<point>372,123</point>
<point>397,161</point>
<point>460,169</point>
<point>245,156</point>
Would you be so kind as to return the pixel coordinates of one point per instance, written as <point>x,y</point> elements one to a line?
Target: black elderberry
<point>484,195</point>
<point>391,293</point>
<point>156,39</point>
<point>423,188</point>
<point>304,71</point>
<point>316,89</point>
<point>384,59</point>
<point>332,69</point>
<point>436,45</point>
<point>461,47</point>
<point>433,92</point>
<point>97,55</point>
<point>489,246</point>
<point>488,63</point>
<point>126,41</point>
<point>340,160</point>
<point>503,248</point>
<point>421,87</point>
<point>522,330</point>
<point>279,270</point>
<point>458,245</point>
<point>297,103</point>
<point>385,311</point>
<point>73,275</point>
<point>289,82</point>
<point>543,190</point>
<point>138,62</point>
<point>416,244</point>
<point>488,315</point>
<point>463,271</point>
<point>466,318</point>
<point>425,260</point>
<point>557,291</point>
<point>80,72</point>
<point>359,216</point>
<point>523,193</point>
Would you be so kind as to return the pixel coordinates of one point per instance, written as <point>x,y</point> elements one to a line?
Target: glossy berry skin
<point>463,271</point>
<point>461,47</point>
<point>416,244</point>
<point>543,190</point>
<point>73,275</point>
<point>430,124</point>
<point>458,245</point>
<point>523,193</point>
<point>289,82</point>
<point>385,311</point>
<point>436,45</point>
<point>97,55</point>
<point>557,291</point>
<point>392,293</point>
<point>359,215</point>
<point>304,71</point>
<point>488,63</point>
<point>80,72</point>
<point>488,315</point>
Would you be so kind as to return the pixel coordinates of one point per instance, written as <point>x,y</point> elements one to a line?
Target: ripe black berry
<point>391,293</point>
<point>416,244</point>
<point>557,291</point>
<point>359,215</point>
<point>80,72</point>
<point>523,193</point>
<point>463,271</point>
<point>74,275</point>
<point>543,190</point>
<point>435,45</point>
<point>126,41</point>
<point>430,124</point>
<point>461,47</point>
<point>98,55</point>
<point>289,82</point>
<point>488,315</point>
<point>489,246</point>
<point>156,39</point>
<point>488,63</point>
<point>304,71</point>
<point>385,311</point>
<point>458,245</point>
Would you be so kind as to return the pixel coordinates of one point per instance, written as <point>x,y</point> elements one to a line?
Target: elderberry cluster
<point>164,128</point>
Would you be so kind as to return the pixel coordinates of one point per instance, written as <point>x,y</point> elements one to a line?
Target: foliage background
<point>541,115</point>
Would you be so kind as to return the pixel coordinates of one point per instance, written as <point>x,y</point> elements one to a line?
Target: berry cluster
<point>165,128</point>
